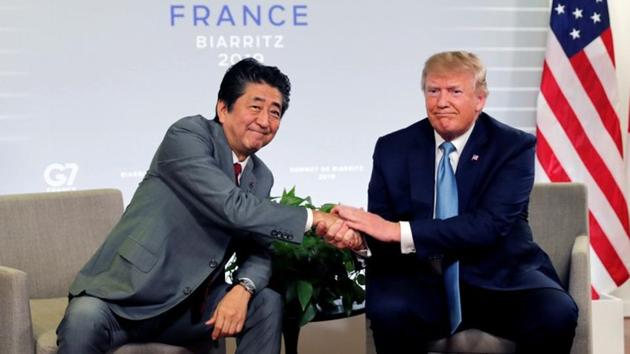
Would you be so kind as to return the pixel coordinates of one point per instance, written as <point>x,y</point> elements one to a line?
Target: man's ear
<point>481,101</point>
<point>221,111</point>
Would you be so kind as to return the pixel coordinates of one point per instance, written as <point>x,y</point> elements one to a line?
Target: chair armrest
<point>16,331</point>
<point>580,290</point>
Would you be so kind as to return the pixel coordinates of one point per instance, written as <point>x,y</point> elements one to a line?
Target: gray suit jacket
<point>183,222</point>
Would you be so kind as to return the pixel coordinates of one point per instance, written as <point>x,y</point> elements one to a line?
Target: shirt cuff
<point>309,219</point>
<point>406,238</point>
<point>248,284</point>
<point>364,252</point>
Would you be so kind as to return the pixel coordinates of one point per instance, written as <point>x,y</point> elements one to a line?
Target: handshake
<point>344,225</point>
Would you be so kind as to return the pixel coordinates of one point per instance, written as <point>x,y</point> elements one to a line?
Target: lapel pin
<point>475,157</point>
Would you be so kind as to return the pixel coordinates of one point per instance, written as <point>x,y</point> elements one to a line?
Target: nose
<point>442,99</point>
<point>263,119</point>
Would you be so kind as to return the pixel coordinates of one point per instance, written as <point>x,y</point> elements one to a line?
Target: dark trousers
<point>539,321</point>
<point>89,326</point>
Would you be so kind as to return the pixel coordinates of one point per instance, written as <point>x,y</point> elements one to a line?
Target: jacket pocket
<point>137,255</point>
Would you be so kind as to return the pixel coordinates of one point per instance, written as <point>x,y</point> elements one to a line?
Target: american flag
<point>579,131</point>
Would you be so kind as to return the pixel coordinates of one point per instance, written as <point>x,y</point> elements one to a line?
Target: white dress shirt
<point>406,239</point>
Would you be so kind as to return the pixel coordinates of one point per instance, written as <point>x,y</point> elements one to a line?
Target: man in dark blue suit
<point>500,280</point>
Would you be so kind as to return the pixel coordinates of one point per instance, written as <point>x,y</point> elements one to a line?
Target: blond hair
<point>457,61</point>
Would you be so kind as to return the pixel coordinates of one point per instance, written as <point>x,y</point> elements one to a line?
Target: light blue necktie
<point>446,206</point>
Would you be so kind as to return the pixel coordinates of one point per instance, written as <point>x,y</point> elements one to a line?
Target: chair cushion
<point>47,313</point>
<point>472,341</point>
<point>159,348</point>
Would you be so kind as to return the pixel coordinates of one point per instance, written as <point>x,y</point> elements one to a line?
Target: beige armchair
<point>558,217</point>
<point>45,238</point>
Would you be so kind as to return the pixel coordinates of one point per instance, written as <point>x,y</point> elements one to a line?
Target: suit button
<point>187,290</point>
<point>213,263</point>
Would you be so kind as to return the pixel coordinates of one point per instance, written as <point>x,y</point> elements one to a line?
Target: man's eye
<point>255,108</point>
<point>275,114</point>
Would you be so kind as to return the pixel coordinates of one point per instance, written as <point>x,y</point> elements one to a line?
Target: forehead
<point>262,92</point>
<point>460,78</point>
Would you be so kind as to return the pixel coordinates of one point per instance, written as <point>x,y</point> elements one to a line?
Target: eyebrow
<point>452,87</point>
<point>273,103</point>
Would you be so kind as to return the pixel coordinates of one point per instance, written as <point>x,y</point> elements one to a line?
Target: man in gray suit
<point>159,276</point>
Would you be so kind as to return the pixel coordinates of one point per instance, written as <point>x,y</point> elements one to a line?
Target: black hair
<point>249,70</point>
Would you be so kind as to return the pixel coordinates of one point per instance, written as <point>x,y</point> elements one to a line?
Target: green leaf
<point>314,276</point>
<point>308,315</point>
<point>304,292</point>
<point>326,208</point>
<point>349,265</point>
<point>290,294</point>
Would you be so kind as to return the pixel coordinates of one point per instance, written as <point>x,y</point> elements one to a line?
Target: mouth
<point>263,133</point>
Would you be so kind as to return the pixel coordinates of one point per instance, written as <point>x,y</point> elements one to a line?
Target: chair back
<point>557,215</point>
<point>50,236</point>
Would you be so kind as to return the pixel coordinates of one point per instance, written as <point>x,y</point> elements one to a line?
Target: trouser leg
<point>89,327</point>
<point>261,332</point>
<point>540,321</point>
<point>405,314</point>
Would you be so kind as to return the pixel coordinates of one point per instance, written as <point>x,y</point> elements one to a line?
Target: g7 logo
<point>59,175</point>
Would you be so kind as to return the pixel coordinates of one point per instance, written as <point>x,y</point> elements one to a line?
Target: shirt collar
<point>458,142</point>
<point>235,160</point>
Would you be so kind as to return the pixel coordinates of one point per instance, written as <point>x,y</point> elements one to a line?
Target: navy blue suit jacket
<point>490,237</point>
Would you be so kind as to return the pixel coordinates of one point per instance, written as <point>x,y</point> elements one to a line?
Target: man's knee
<point>560,315</point>
<point>269,303</point>
<point>85,324</point>
<point>388,314</point>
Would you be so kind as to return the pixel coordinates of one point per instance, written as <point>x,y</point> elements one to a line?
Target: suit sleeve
<point>502,198</point>
<point>185,162</point>
<point>380,202</point>
<point>254,261</point>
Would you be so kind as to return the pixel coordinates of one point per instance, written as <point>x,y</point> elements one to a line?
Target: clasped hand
<point>344,225</point>
<point>336,232</point>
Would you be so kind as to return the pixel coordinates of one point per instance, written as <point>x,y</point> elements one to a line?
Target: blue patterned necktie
<point>446,206</point>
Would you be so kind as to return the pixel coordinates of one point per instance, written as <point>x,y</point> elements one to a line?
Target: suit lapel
<point>470,162</point>
<point>248,178</point>
<point>421,165</point>
<point>224,157</point>
<point>223,153</point>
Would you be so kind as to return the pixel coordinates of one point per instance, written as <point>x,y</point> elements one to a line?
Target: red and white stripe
<point>580,139</point>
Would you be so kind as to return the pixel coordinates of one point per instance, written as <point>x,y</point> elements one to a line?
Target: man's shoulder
<point>192,122</point>
<point>500,132</point>
<point>409,134</point>
<point>198,126</point>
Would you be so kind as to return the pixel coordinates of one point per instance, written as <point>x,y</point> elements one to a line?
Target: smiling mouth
<point>258,132</point>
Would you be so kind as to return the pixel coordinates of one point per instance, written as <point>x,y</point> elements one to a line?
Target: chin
<point>255,147</point>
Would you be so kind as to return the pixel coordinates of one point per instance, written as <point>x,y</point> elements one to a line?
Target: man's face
<point>452,102</point>
<point>254,119</point>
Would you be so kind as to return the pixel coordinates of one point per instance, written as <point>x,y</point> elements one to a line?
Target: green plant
<point>314,276</point>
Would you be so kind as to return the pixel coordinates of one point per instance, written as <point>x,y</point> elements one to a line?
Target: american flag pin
<point>475,157</point>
